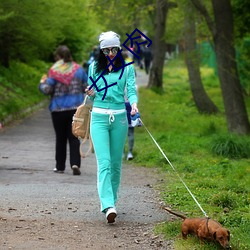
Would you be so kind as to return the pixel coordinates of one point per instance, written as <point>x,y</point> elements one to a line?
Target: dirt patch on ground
<point>50,234</point>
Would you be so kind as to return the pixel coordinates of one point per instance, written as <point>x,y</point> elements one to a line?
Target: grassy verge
<point>19,89</point>
<point>213,164</point>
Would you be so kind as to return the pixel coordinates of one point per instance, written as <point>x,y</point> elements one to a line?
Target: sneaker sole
<point>58,171</point>
<point>111,217</point>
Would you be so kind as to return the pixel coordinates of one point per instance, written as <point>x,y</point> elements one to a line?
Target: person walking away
<point>93,55</point>
<point>65,84</point>
<point>109,123</point>
<point>147,59</point>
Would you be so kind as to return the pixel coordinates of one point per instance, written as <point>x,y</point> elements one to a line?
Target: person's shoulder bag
<point>81,126</point>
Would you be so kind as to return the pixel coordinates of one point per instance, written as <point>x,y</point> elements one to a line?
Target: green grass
<point>214,164</point>
<point>19,88</point>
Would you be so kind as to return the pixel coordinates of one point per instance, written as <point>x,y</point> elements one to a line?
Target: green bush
<point>19,87</point>
<point>223,200</point>
<point>231,146</point>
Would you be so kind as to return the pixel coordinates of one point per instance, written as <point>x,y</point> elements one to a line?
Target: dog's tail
<point>175,213</point>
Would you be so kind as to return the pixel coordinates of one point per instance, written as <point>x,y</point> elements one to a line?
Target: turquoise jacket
<point>114,96</point>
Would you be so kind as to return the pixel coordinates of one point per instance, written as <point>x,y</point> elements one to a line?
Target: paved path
<point>141,78</point>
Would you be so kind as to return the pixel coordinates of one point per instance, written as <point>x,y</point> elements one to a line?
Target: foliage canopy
<point>28,33</point>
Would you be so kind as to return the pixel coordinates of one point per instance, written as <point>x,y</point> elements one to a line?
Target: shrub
<point>231,146</point>
<point>223,200</point>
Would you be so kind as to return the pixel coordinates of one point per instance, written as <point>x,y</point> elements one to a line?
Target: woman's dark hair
<point>63,52</point>
<point>101,64</point>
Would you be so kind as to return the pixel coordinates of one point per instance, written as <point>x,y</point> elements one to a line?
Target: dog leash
<point>174,169</point>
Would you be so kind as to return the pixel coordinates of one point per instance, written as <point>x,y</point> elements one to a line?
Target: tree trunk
<point>223,38</point>
<point>201,99</point>
<point>235,109</point>
<point>159,48</point>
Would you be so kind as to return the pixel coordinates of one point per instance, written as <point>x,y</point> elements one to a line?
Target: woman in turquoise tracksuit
<point>109,123</point>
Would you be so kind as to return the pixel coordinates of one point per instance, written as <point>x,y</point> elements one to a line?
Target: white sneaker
<point>130,156</point>
<point>58,171</point>
<point>111,214</point>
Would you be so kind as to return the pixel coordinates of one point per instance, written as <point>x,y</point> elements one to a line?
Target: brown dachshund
<point>204,229</point>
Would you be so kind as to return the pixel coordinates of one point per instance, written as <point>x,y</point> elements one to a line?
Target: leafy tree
<point>241,18</point>
<point>28,33</point>
<point>201,99</point>
<point>23,33</point>
<point>221,28</point>
<point>175,24</point>
<point>181,29</point>
<point>242,33</point>
<point>159,44</point>
<point>124,16</point>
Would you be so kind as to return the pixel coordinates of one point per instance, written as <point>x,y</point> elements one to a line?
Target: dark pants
<point>147,65</point>
<point>130,139</point>
<point>62,122</point>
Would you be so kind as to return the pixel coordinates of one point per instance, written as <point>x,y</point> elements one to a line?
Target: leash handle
<point>174,170</point>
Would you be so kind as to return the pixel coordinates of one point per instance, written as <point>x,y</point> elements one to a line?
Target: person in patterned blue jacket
<point>65,83</point>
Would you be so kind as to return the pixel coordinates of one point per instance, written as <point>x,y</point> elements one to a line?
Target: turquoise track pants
<point>108,136</point>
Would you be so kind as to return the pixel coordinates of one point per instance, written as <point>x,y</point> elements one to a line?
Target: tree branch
<point>202,9</point>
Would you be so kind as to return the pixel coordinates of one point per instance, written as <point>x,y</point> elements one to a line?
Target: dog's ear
<point>214,235</point>
<point>228,237</point>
